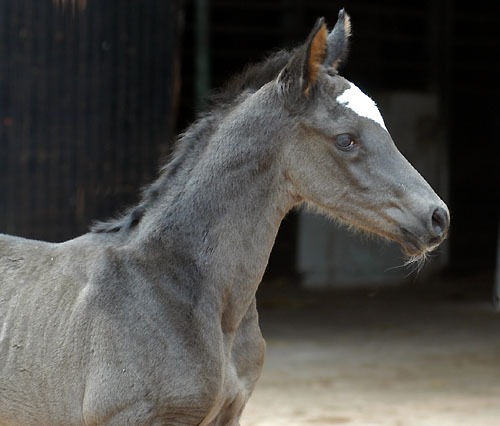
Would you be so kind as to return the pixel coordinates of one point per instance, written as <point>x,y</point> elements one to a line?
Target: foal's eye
<point>344,141</point>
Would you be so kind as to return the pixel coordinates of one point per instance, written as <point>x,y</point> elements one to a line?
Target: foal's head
<point>340,155</point>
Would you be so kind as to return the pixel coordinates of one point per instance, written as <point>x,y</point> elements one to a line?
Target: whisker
<point>395,267</point>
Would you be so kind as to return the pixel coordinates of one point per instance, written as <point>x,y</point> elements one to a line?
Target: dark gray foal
<point>150,319</point>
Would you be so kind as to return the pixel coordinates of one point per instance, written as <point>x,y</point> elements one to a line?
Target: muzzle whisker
<point>395,267</point>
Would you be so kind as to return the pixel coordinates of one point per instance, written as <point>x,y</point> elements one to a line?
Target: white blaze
<point>361,104</point>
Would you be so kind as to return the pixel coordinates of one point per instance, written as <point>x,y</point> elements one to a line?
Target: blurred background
<point>92,94</point>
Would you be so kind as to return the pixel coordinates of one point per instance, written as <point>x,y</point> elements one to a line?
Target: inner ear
<point>301,72</point>
<point>316,54</point>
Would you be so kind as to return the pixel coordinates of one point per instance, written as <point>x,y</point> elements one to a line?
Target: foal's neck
<point>223,216</point>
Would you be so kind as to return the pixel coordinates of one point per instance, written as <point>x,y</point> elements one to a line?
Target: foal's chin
<point>414,254</point>
<point>413,247</point>
<point>417,253</point>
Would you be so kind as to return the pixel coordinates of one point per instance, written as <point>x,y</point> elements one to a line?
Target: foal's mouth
<point>414,246</point>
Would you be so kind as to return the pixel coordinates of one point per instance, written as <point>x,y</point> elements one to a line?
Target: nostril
<point>440,222</point>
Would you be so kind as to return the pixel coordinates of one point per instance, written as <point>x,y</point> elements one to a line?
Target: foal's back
<point>28,265</point>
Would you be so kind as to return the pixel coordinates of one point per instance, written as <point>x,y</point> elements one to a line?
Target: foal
<point>150,319</point>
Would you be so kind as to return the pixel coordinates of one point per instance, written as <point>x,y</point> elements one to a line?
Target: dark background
<point>91,96</point>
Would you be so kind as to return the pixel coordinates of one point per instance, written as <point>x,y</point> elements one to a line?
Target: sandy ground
<point>400,356</point>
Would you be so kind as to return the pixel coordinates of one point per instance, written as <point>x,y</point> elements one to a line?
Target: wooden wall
<point>85,109</point>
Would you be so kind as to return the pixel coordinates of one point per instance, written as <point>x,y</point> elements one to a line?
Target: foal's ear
<point>338,41</point>
<point>301,71</point>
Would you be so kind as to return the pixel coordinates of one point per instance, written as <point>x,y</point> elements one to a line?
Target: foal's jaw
<point>418,220</point>
<point>418,235</point>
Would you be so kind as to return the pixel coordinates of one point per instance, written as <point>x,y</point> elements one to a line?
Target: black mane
<point>191,142</point>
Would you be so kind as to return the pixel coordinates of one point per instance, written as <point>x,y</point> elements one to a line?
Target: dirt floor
<point>409,355</point>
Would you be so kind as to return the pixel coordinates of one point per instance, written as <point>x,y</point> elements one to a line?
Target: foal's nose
<point>440,222</point>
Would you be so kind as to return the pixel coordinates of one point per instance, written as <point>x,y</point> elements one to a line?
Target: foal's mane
<point>190,144</point>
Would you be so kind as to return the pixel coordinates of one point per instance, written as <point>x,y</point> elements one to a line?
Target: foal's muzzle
<point>431,231</point>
